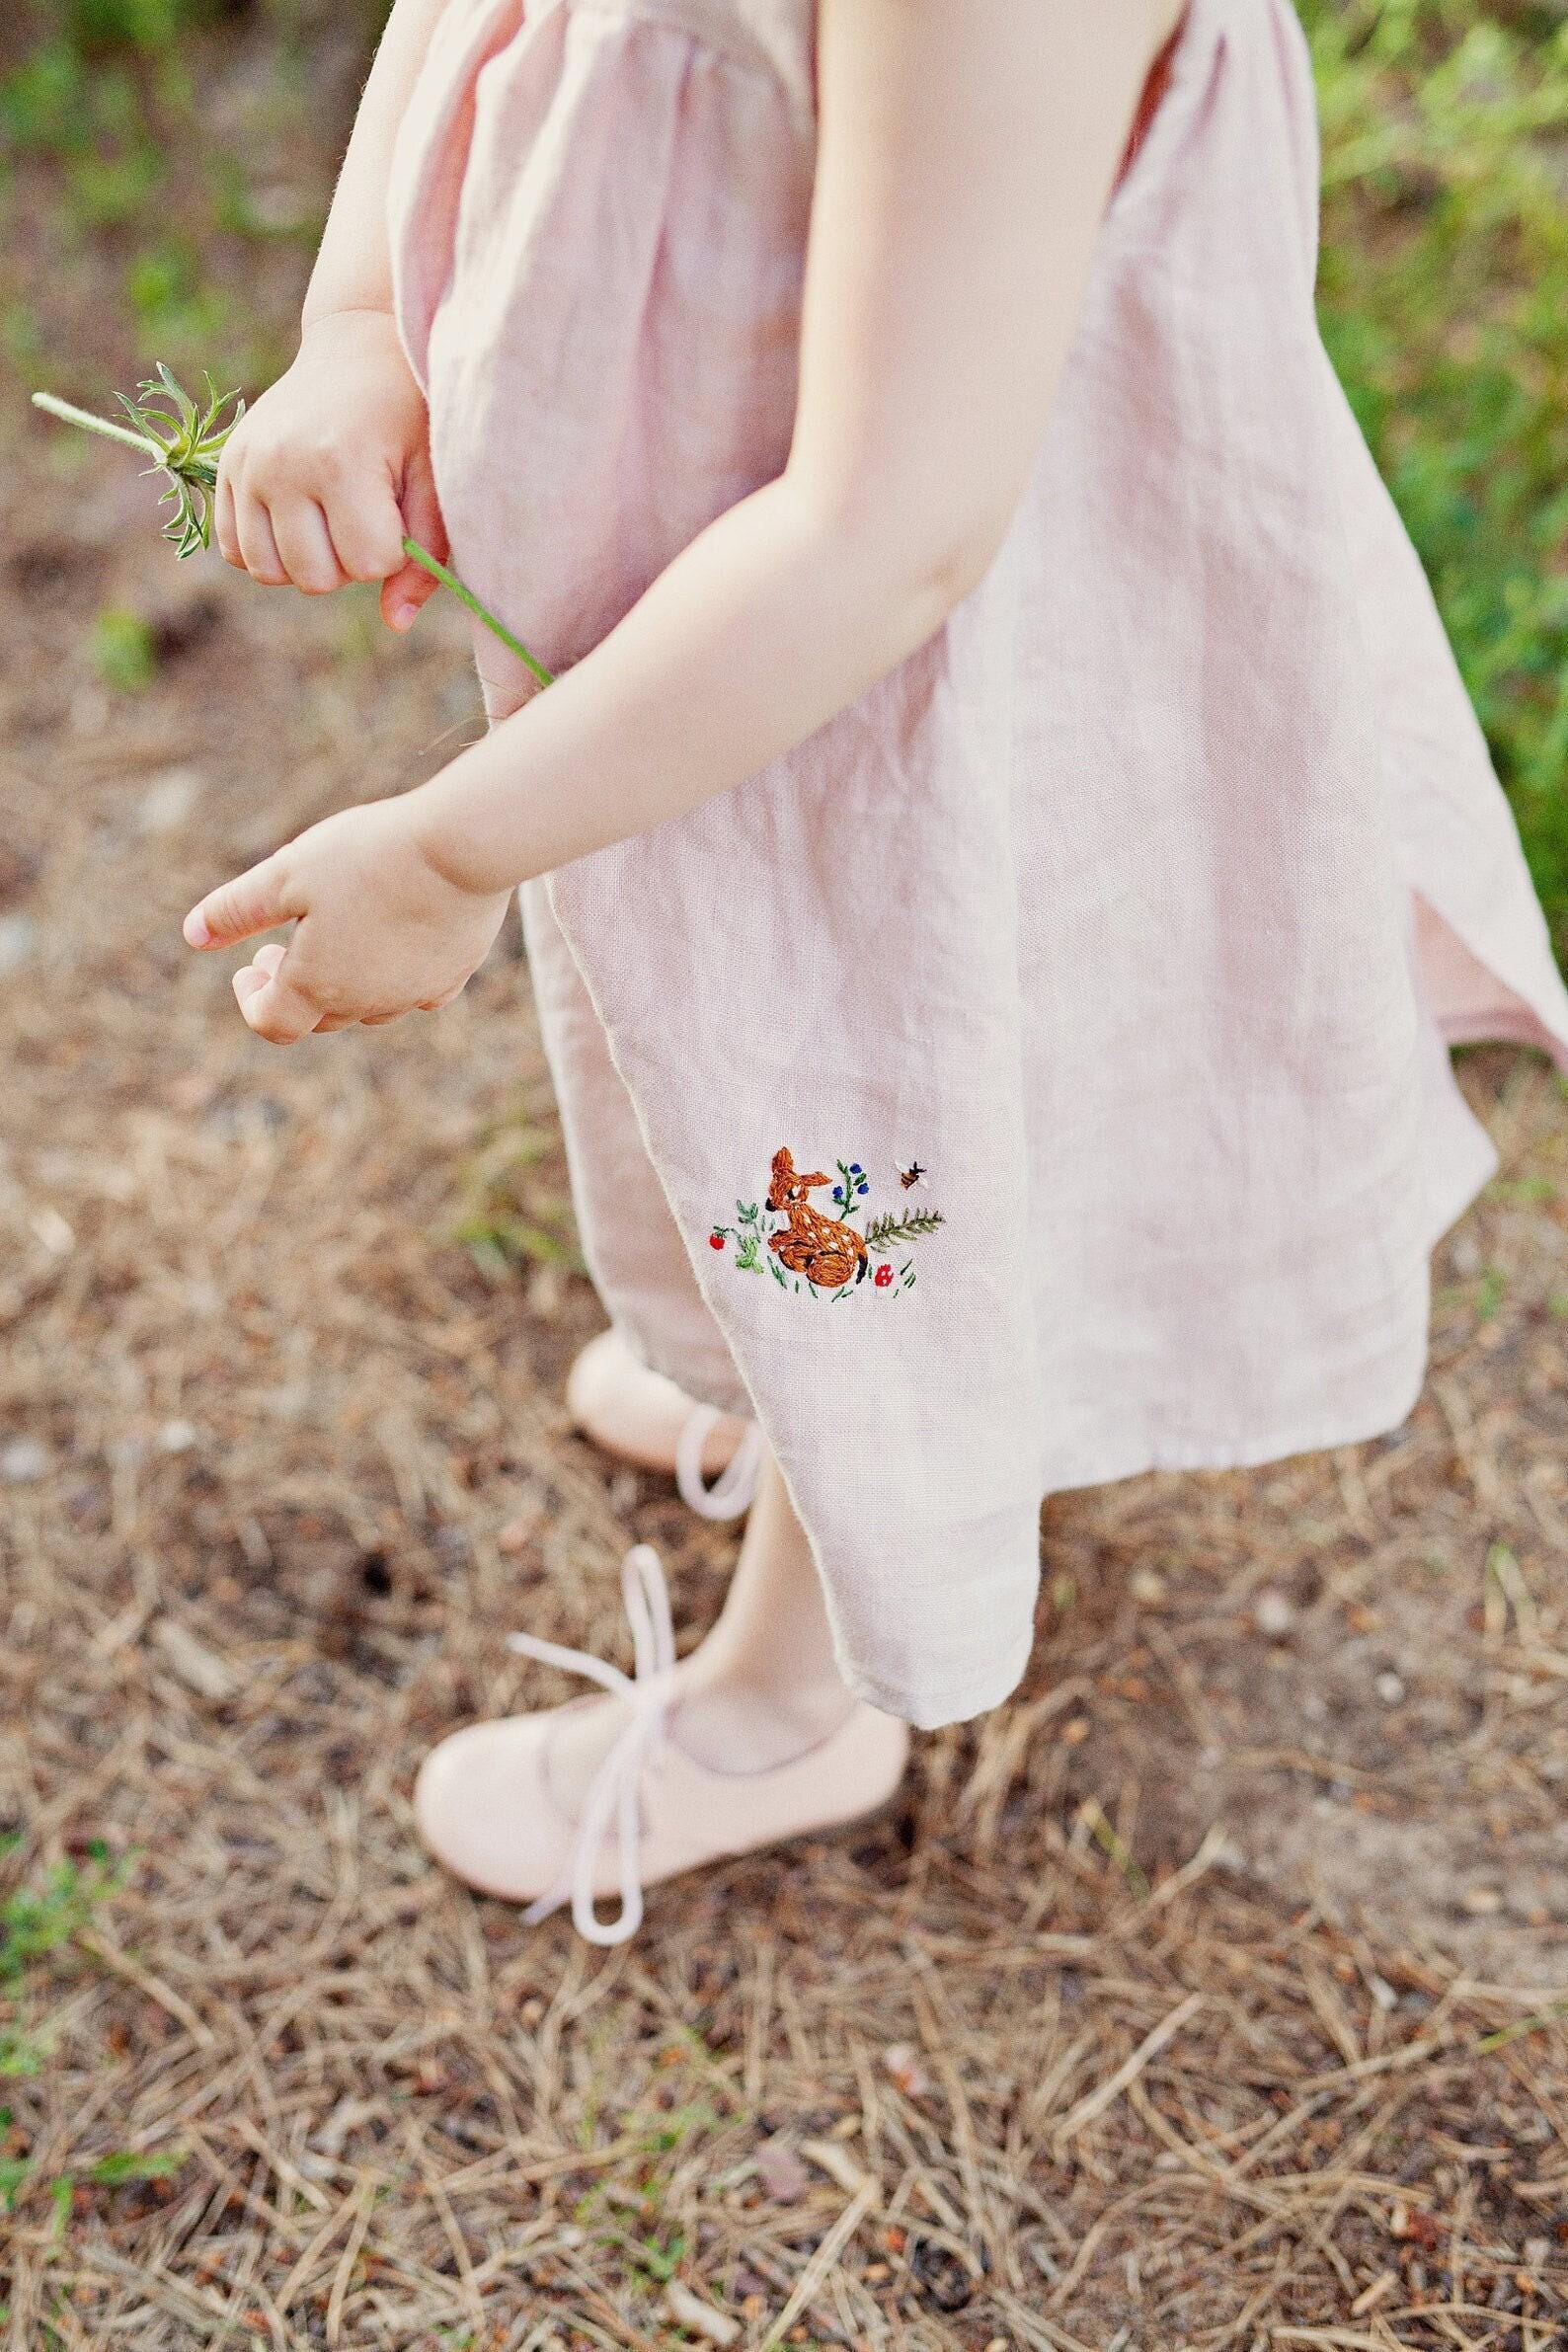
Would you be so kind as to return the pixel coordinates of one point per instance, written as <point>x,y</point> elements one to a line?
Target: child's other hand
<point>319,481</point>
<point>380,930</point>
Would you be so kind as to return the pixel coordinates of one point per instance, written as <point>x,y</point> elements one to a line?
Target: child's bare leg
<point>762,1686</point>
<point>766,1670</point>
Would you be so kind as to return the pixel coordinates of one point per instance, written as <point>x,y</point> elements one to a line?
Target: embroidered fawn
<point>829,1252</point>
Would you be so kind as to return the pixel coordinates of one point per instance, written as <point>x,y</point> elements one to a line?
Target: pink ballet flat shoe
<point>486,1810</point>
<point>643,1418</point>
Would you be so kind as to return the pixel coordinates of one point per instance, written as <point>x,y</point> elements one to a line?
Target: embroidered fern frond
<point>888,1233</point>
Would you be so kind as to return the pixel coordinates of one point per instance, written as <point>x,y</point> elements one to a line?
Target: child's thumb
<point>251,903</point>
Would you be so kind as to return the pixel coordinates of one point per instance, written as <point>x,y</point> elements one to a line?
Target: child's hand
<point>380,929</point>
<point>320,479</point>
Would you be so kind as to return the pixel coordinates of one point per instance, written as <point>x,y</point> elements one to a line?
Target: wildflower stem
<point>465,595</point>
<point>70,414</point>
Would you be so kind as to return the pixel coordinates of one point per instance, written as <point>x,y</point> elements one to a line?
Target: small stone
<point>168,800</point>
<point>690,2312</point>
<point>1481,1901</point>
<point>1147,1587</point>
<point>23,1462</point>
<point>53,1231</point>
<point>1389,1688</point>
<point>903,2063</point>
<point>19,937</point>
<point>177,1437</point>
<point>1274,1614</point>
<point>781,2172</point>
<point>200,1669</point>
<point>517,1533</point>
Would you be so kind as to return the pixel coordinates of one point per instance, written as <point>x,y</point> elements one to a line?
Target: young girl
<point>1004,855</point>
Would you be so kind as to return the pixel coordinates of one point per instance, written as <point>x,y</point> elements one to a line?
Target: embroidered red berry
<point>881,1277</point>
<point>716,1241</point>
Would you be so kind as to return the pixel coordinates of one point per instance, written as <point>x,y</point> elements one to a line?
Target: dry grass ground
<point>1211,1994</point>
<point>1215,1993</point>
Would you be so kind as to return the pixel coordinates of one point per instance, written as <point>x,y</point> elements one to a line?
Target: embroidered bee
<point>911,1176</point>
<point>829,1252</point>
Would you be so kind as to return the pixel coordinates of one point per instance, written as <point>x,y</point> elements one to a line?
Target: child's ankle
<point>734,1721</point>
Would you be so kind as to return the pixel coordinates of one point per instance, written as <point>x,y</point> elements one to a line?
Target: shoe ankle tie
<point>614,1794</point>
<point>735,1489</point>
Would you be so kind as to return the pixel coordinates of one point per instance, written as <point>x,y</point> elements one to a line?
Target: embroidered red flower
<point>881,1277</point>
<point>716,1241</point>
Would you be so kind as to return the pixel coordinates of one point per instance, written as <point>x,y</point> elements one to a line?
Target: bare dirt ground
<point>1213,1993</point>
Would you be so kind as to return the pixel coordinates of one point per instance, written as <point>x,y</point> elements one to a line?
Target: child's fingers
<point>253,527</point>
<point>407,590</point>
<point>258,901</point>
<point>411,586</point>
<point>304,543</point>
<point>223,524</point>
<point>279,1011</point>
<point>366,527</point>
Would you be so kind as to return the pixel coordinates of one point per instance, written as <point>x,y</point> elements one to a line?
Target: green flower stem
<point>465,595</point>
<point>70,414</point>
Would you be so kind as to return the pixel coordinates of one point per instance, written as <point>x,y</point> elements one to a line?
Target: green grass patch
<point>38,1923</point>
<point>1444,296</point>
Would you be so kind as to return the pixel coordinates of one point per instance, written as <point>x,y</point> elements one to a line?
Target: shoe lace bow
<point>614,1802</point>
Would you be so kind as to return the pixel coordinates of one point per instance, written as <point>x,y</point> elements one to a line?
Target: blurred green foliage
<point>1444,290</point>
<point>1444,296</point>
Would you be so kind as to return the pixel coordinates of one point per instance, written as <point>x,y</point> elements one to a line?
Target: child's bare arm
<point>967,151</point>
<point>331,466</point>
<point>968,148</point>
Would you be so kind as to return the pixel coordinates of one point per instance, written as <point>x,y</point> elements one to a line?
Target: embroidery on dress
<point>803,1248</point>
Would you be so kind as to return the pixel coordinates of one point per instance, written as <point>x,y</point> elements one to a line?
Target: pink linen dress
<point>1040,1075</point>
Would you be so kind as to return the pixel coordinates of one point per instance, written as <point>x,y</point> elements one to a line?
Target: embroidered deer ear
<point>778,1191</point>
